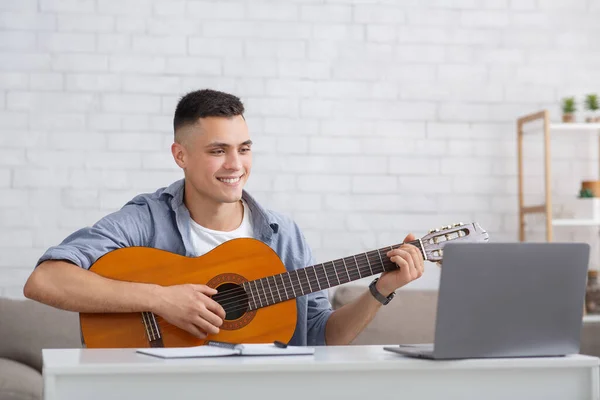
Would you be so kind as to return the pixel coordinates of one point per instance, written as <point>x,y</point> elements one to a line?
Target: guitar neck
<point>289,285</point>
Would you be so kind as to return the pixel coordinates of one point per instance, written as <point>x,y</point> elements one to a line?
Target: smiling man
<point>208,207</point>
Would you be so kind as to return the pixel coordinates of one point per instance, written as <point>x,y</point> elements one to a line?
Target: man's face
<point>216,157</point>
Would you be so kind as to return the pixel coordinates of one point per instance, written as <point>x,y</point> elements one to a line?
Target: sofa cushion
<point>19,381</point>
<point>590,338</point>
<point>28,327</point>
<point>408,318</point>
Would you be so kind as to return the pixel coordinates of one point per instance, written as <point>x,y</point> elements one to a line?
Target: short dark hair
<point>206,103</point>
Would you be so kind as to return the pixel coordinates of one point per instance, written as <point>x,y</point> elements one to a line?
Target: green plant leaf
<point>591,102</point>
<point>569,105</point>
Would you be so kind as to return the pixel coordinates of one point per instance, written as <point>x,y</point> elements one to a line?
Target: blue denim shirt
<point>161,220</point>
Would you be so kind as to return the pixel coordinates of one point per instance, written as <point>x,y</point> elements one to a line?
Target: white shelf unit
<point>575,126</point>
<point>546,207</point>
<point>575,222</point>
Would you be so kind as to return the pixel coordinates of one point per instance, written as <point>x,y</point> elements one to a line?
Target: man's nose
<point>233,161</point>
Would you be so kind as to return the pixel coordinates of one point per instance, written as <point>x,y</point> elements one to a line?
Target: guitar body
<point>225,267</point>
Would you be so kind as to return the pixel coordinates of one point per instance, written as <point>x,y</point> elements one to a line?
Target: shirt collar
<point>264,223</point>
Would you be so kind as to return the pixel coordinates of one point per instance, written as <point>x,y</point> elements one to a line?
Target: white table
<point>344,372</point>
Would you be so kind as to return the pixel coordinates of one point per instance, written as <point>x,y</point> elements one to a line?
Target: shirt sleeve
<point>319,310</point>
<point>130,226</point>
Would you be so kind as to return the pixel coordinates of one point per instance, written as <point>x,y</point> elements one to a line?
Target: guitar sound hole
<point>233,299</point>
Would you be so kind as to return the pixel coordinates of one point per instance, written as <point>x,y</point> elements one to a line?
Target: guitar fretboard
<point>289,285</point>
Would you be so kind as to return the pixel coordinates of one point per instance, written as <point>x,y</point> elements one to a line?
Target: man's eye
<point>217,151</point>
<point>245,149</point>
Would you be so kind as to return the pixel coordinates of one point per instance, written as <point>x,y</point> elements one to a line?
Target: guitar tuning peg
<point>434,230</point>
<point>458,224</point>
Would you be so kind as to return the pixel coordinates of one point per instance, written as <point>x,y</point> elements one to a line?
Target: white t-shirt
<point>204,239</point>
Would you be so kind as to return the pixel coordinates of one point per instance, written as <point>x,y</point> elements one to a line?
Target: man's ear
<point>179,155</point>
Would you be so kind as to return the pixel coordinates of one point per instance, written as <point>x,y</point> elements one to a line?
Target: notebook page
<point>269,349</point>
<point>189,352</point>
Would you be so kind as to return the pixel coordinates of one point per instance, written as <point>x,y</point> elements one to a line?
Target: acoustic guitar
<point>256,291</point>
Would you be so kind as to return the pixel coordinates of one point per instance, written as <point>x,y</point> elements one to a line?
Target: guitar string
<point>416,242</point>
<point>362,267</point>
<point>241,298</point>
<point>319,281</point>
<point>241,303</point>
<point>155,327</point>
<point>263,295</point>
<point>150,326</point>
<point>144,316</point>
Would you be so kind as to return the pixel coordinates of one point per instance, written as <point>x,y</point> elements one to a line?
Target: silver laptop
<point>507,300</point>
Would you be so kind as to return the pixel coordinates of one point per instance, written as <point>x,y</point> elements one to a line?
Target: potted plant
<point>591,104</point>
<point>587,205</point>
<point>568,109</point>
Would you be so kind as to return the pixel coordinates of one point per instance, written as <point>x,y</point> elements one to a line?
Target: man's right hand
<point>190,308</point>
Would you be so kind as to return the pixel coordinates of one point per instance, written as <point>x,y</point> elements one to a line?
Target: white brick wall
<point>371,118</point>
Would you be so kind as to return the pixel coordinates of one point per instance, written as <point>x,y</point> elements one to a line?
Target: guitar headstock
<point>436,239</point>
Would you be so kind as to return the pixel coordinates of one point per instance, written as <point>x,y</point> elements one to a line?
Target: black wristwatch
<point>380,298</point>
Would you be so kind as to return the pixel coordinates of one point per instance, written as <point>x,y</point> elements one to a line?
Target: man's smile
<point>231,180</point>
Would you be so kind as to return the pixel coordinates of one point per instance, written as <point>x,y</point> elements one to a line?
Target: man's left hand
<point>410,262</point>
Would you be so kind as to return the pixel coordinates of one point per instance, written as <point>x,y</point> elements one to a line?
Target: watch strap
<point>378,296</point>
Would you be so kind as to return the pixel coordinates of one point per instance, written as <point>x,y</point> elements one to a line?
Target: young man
<point>190,217</point>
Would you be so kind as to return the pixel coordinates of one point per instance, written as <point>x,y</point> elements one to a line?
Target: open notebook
<point>220,349</point>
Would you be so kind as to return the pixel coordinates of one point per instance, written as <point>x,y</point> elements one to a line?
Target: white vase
<point>586,208</point>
